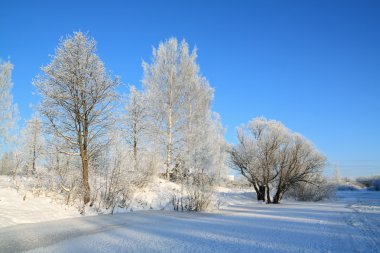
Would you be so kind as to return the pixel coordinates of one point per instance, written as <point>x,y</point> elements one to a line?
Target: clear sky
<point>314,65</point>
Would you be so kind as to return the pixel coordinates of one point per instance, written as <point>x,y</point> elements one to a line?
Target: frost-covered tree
<point>217,148</point>
<point>179,100</point>
<point>204,162</point>
<point>164,81</point>
<point>8,110</point>
<point>33,142</point>
<point>77,98</point>
<point>299,162</point>
<point>270,155</point>
<point>136,121</point>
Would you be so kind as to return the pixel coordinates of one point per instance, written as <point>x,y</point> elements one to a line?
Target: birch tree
<point>77,98</point>
<point>179,102</point>
<point>179,99</point>
<point>8,110</point>
<point>164,81</point>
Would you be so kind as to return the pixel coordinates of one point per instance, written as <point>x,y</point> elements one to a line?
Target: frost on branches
<point>189,135</point>
<point>271,156</point>
<point>78,96</point>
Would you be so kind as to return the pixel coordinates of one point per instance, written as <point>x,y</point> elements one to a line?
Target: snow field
<point>351,223</point>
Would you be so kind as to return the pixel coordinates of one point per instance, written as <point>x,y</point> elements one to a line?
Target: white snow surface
<point>351,223</point>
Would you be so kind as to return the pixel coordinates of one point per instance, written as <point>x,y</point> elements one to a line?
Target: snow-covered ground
<point>349,224</point>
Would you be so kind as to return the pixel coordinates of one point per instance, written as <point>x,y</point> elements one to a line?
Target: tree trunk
<point>261,194</point>
<point>86,185</point>
<point>135,147</point>
<point>280,192</point>
<point>169,147</point>
<point>268,195</point>
<point>83,145</point>
<point>34,160</point>
<point>34,147</point>
<point>277,197</point>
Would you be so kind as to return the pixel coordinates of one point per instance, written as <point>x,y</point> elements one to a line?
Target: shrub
<point>310,192</point>
<point>199,189</point>
<point>372,183</point>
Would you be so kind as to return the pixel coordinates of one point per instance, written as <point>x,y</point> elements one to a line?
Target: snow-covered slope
<point>23,207</point>
<point>157,195</point>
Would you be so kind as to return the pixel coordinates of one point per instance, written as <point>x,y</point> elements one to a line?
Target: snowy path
<point>365,218</point>
<point>242,226</point>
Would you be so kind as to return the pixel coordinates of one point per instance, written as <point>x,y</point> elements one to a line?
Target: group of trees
<point>88,127</point>
<point>95,143</point>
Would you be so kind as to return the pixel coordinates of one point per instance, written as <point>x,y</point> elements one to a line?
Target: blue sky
<point>314,65</point>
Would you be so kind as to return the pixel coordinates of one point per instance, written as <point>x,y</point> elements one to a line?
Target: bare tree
<point>77,98</point>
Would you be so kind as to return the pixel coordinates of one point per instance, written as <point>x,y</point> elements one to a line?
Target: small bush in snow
<point>310,192</point>
<point>199,189</point>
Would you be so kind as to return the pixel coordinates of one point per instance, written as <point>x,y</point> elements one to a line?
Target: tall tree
<point>77,98</point>
<point>179,101</point>
<point>164,82</point>
<point>8,110</point>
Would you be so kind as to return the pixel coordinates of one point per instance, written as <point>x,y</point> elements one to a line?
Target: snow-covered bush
<point>199,189</point>
<point>146,170</point>
<point>372,183</point>
<point>198,193</point>
<point>347,184</point>
<point>311,192</point>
